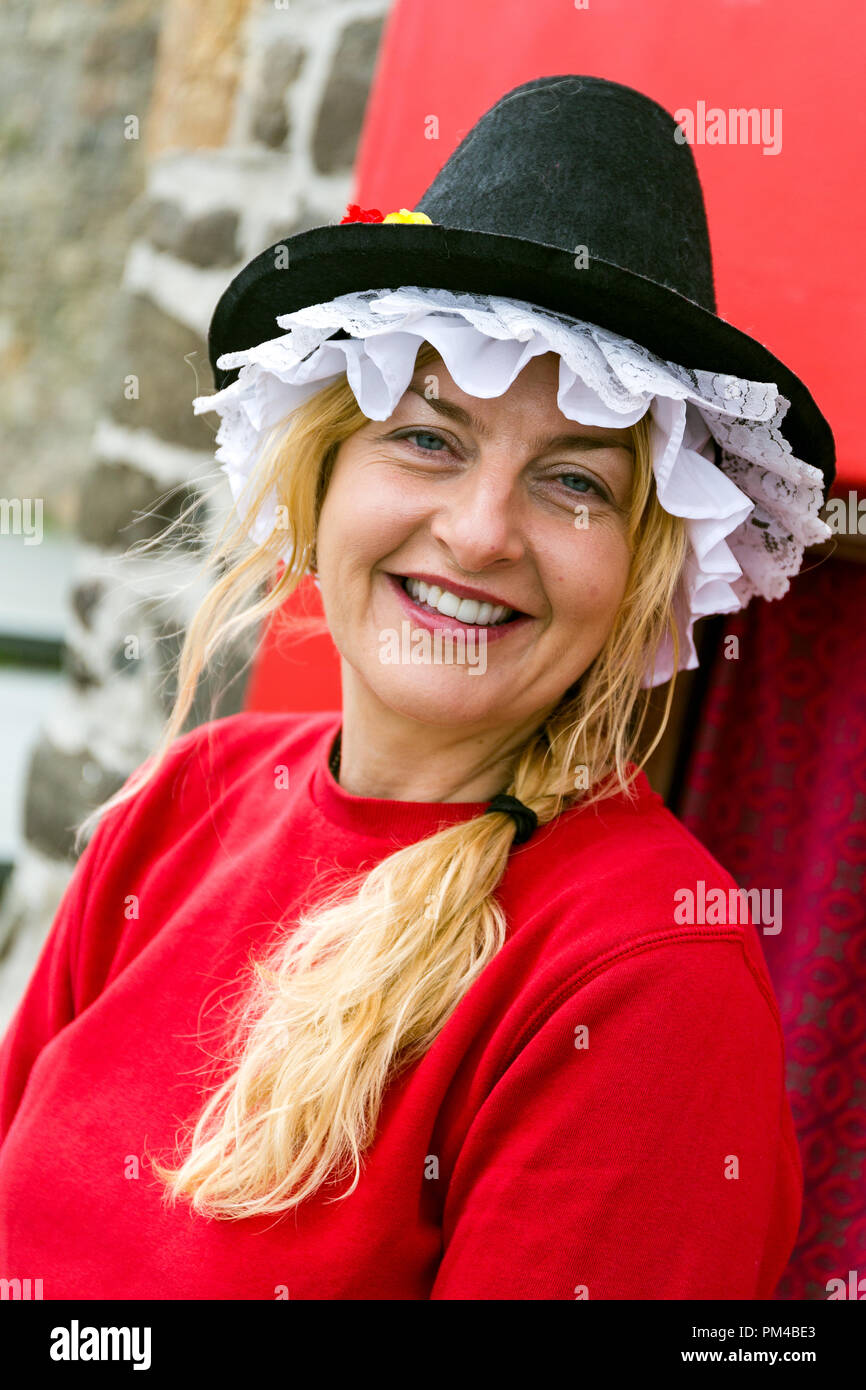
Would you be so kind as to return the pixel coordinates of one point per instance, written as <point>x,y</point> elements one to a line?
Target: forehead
<point>530,400</point>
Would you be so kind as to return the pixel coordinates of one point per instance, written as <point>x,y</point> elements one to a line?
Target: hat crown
<point>577,162</point>
<point>556,165</point>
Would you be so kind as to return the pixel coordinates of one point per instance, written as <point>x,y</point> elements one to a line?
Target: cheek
<point>365,515</point>
<point>349,520</point>
<point>594,579</point>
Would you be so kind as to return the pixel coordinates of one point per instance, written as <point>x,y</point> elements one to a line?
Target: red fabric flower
<point>358,214</point>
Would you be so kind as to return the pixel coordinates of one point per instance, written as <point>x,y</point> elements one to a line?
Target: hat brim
<point>317,265</point>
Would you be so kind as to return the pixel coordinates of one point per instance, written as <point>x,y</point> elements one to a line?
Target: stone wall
<point>250,136</point>
<point>69,74</point>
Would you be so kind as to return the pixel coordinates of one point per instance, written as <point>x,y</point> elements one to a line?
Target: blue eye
<point>425,434</point>
<point>581,478</point>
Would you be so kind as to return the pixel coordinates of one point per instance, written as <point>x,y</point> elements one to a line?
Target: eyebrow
<point>571,440</point>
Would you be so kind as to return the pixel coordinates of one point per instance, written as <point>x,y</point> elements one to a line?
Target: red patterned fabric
<point>776,790</point>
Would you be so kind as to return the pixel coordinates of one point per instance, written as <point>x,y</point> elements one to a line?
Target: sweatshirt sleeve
<point>50,1001</point>
<point>632,1148</point>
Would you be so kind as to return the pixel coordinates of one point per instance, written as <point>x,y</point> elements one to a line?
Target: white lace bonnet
<point>748,519</point>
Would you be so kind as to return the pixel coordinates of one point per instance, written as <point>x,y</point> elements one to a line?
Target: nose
<point>480,519</point>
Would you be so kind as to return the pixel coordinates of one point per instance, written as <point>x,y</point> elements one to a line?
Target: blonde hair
<point>360,988</point>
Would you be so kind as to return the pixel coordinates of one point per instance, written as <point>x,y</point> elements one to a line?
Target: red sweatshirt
<point>603,1115</point>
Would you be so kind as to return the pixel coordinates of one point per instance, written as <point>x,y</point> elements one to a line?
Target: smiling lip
<point>432,620</point>
<point>462,590</point>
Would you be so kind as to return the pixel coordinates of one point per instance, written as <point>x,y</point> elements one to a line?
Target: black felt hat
<point>571,193</point>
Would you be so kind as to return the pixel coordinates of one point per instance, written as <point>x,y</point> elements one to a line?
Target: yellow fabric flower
<point>404,215</point>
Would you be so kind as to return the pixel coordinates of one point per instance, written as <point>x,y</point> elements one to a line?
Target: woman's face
<point>490,504</point>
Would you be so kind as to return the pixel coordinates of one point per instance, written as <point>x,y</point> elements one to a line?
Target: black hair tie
<point>525,818</point>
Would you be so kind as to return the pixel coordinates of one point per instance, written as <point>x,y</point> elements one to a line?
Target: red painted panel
<point>294,672</point>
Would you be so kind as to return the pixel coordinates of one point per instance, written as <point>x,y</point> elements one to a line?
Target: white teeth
<point>465,610</point>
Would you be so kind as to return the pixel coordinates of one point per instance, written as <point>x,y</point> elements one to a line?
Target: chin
<point>437,695</point>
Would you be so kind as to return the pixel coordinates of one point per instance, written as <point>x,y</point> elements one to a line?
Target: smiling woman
<point>471,1051</point>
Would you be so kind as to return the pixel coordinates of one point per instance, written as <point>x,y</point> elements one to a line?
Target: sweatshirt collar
<point>379,817</point>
